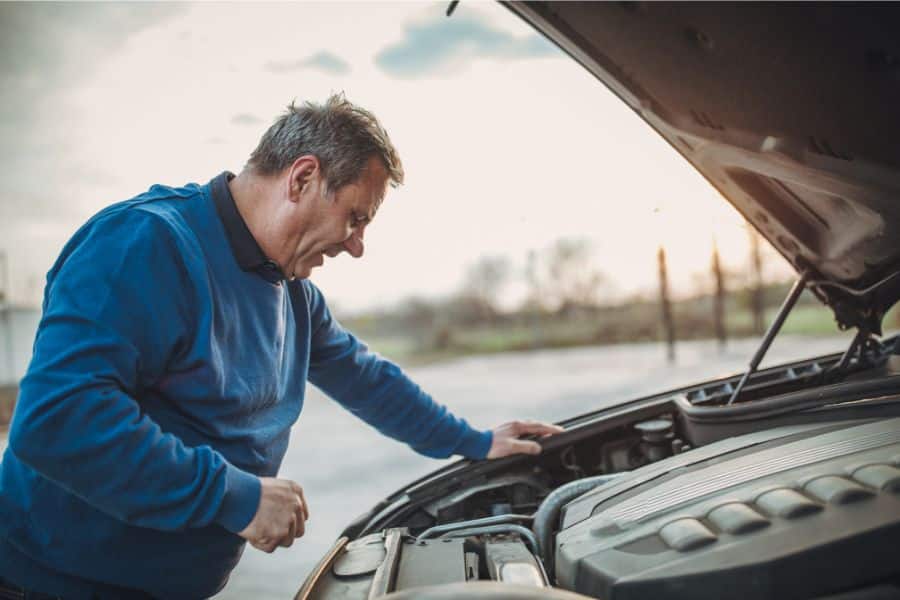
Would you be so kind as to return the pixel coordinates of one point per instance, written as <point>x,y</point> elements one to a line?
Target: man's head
<point>323,171</point>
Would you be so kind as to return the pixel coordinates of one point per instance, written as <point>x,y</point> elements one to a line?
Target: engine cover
<point>791,513</point>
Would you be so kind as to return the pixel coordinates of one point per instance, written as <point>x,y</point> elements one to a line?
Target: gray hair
<point>340,134</point>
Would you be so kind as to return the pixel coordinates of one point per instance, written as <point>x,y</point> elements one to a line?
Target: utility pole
<point>718,297</point>
<point>666,305</point>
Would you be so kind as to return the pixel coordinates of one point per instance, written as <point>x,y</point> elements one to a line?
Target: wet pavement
<point>345,467</point>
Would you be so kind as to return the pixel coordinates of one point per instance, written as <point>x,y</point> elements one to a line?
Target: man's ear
<point>302,173</point>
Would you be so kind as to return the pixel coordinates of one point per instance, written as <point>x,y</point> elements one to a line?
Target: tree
<point>536,299</point>
<point>572,279</point>
<point>484,281</point>
<point>417,314</point>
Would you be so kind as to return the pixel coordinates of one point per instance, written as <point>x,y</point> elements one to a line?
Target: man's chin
<point>303,268</point>
<point>302,272</point>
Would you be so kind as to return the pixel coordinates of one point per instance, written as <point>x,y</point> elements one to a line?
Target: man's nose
<point>354,244</point>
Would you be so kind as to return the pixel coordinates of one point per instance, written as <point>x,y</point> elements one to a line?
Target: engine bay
<point>674,496</point>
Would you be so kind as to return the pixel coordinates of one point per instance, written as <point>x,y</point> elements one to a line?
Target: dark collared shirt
<point>249,255</point>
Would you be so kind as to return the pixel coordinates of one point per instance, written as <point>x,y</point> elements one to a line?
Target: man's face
<point>336,224</point>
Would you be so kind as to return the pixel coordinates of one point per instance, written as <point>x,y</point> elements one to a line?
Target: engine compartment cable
<point>439,530</point>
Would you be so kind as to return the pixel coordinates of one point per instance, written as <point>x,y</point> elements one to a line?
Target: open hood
<point>792,111</point>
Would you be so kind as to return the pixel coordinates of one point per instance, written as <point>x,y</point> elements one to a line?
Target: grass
<point>628,324</point>
<point>636,322</point>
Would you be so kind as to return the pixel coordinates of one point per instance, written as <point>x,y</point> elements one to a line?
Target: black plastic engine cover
<point>799,512</point>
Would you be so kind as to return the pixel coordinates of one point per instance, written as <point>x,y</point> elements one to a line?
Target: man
<point>178,333</point>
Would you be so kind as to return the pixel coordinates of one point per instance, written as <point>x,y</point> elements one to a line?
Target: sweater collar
<point>244,246</point>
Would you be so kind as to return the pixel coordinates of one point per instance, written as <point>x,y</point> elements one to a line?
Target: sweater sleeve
<point>116,310</point>
<point>377,391</point>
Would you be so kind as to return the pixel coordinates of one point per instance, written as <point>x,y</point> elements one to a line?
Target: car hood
<point>792,111</point>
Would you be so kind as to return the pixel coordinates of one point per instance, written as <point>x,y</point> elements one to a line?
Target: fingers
<point>265,545</point>
<point>535,428</point>
<point>288,540</point>
<point>524,447</point>
<point>300,521</point>
<point>510,446</point>
<point>280,518</point>
<point>301,513</point>
<point>506,436</point>
<point>305,507</point>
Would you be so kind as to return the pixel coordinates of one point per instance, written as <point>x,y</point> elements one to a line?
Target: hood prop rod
<point>773,330</point>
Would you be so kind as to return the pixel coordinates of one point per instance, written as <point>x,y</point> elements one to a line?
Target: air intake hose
<point>547,515</point>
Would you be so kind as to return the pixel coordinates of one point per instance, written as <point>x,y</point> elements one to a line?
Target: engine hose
<point>547,514</point>
<point>495,520</point>
<point>505,528</point>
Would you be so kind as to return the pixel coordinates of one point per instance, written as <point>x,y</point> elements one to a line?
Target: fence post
<point>666,305</point>
<point>718,298</point>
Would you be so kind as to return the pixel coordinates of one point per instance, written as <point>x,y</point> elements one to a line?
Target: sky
<point>508,145</point>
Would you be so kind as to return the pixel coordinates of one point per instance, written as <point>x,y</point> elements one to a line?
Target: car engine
<point>795,512</point>
<point>804,510</point>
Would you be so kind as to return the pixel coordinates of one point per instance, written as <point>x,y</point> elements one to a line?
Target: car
<point>781,482</point>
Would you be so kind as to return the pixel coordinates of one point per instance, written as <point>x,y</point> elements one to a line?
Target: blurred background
<point>549,253</point>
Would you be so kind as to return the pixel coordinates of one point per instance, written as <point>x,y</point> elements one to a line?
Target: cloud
<point>245,119</point>
<point>443,45</point>
<point>46,51</point>
<point>322,60</point>
<point>47,47</point>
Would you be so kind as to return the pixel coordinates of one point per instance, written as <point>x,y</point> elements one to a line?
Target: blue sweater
<point>165,380</point>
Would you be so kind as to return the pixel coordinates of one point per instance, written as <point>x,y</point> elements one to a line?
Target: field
<point>638,322</point>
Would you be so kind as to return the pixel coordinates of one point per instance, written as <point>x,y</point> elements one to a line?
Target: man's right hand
<point>281,516</point>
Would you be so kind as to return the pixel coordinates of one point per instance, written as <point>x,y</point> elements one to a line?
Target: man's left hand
<point>506,438</point>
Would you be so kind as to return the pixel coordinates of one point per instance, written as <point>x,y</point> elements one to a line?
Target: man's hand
<point>506,438</point>
<point>281,516</point>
